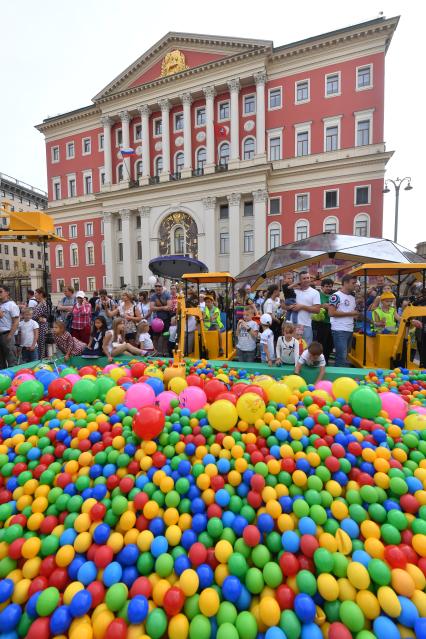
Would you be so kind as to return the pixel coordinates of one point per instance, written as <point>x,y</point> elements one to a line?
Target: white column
<point>128,248</point>
<point>125,128</point>
<point>234,201</point>
<point>210,92</point>
<point>234,88</point>
<point>107,122</point>
<point>165,138</point>
<point>110,244</point>
<point>260,79</point>
<point>144,212</point>
<point>187,134</point>
<point>145,112</point>
<point>209,256</point>
<point>260,198</point>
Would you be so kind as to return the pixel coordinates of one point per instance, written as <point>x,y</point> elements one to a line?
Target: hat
<point>81,294</point>
<point>387,296</point>
<point>143,321</point>
<point>266,319</point>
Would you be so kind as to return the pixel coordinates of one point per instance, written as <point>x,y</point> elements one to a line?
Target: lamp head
<point>408,187</point>
<point>386,190</point>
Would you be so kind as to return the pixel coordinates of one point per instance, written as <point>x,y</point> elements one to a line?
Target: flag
<point>127,152</point>
<point>221,130</point>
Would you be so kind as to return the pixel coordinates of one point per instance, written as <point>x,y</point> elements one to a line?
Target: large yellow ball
<point>278,392</point>
<point>294,382</point>
<point>222,415</point>
<point>115,395</point>
<point>177,384</point>
<point>153,371</point>
<point>264,381</point>
<point>116,373</point>
<point>250,407</point>
<point>415,421</point>
<point>343,387</point>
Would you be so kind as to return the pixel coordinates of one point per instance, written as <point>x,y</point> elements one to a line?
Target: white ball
<point>152,280</point>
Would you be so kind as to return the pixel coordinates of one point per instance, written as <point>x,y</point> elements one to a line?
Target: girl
<point>66,343</point>
<point>99,329</point>
<point>144,338</point>
<point>144,306</point>
<point>172,335</point>
<point>114,341</point>
<point>266,340</point>
<point>287,346</point>
<point>130,313</point>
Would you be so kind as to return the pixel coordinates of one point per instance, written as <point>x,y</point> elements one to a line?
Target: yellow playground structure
<point>195,339</point>
<point>371,349</point>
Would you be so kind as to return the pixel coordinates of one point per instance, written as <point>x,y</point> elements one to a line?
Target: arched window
<point>274,237</point>
<point>362,225</point>
<point>138,169</point>
<point>59,256</point>
<point>179,240</point>
<point>120,173</point>
<point>74,255</point>
<point>201,158</point>
<point>301,230</point>
<point>224,153</point>
<point>90,253</point>
<point>248,149</point>
<point>179,161</point>
<point>331,224</point>
<point>158,165</point>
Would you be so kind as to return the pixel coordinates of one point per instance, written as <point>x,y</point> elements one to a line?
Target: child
<point>28,336</point>
<point>94,348</point>
<point>287,346</point>
<point>247,333</point>
<point>385,317</point>
<point>266,340</point>
<point>144,338</point>
<point>66,343</point>
<point>290,298</point>
<point>313,357</point>
<point>171,344</point>
<point>298,333</point>
<point>114,343</point>
<point>212,320</point>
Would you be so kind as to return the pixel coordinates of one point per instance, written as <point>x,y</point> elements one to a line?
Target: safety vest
<point>215,316</point>
<point>387,316</point>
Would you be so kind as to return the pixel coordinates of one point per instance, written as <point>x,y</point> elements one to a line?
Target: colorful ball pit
<point>139,503</point>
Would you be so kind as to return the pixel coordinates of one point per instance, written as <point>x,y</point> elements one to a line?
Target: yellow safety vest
<point>389,317</point>
<point>215,316</point>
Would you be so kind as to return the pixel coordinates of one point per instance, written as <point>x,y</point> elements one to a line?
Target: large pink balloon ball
<point>157,325</point>
<point>326,386</point>
<point>73,378</point>
<point>139,395</point>
<point>193,398</point>
<point>163,400</point>
<point>394,405</point>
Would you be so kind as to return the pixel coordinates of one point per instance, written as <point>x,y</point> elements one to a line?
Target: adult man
<point>93,300</point>
<point>9,321</point>
<point>308,302</point>
<point>160,307</point>
<point>342,313</point>
<point>66,303</point>
<point>321,322</point>
<point>104,307</point>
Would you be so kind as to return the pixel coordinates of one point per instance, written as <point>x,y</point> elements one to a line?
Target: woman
<point>270,307</point>
<point>81,318</point>
<point>144,306</point>
<point>131,315</point>
<point>173,300</point>
<point>40,315</point>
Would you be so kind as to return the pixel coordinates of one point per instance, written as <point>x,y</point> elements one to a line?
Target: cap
<point>266,319</point>
<point>387,296</point>
<point>81,294</point>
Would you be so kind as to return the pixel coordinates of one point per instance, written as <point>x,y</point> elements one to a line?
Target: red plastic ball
<point>214,388</point>
<point>197,554</point>
<point>251,535</point>
<point>231,397</point>
<point>117,629</point>
<point>195,380</point>
<point>59,388</point>
<point>148,422</point>
<point>174,600</point>
<point>289,564</point>
<point>285,597</point>
<point>338,631</point>
<point>141,586</point>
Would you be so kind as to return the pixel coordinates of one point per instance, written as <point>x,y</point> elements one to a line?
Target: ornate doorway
<point>178,235</point>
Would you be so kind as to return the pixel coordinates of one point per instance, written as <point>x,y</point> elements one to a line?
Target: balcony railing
<point>175,176</point>
<point>222,166</point>
<point>197,172</point>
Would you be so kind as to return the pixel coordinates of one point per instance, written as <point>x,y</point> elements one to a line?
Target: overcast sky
<point>57,54</point>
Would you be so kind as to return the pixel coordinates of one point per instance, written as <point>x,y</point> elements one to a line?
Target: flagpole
<point>131,181</point>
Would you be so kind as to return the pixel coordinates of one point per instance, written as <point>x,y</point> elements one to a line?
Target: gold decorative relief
<point>174,62</point>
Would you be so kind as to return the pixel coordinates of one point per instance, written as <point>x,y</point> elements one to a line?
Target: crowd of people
<point>299,322</point>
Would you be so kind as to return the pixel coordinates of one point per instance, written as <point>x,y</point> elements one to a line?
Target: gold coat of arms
<point>174,62</point>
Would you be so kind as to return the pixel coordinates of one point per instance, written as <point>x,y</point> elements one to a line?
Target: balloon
<point>30,391</point>
<point>59,388</point>
<point>4,382</point>
<point>152,280</point>
<point>46,378</point>
<point>264,381</point>
<point>108,368</point>
<point>325,385</point>
<point>87,370</point>
<point>103,384</point>
<point>116,373</point>
<point>193,398</point>
<point>194,380</point>
<point>415,422</point>
<point>294,382</point>
<point>23,377</point>
<point>153,371</point>
<point>343,387</point>
<point>156,384</point>
<point>115,395</point>
<point>138,369</point>
<point>229,396</point>
<point>253,388</point>
<point>279,392</point>
<point>177,384</point>
<point>222,415</point>
<point>250,407</point>
<point>421,410</point>
<point>84,391</point>
<point>213,388</point>
<point>322,394</point>
<point>157,325</point>
<point>73,378</point>
<point>149,422</point>
<point>365,402</point>
<point>163,400</point>
<point>139,395</point>
<point>394,405</point>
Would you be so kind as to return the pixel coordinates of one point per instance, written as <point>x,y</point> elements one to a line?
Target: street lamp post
<point>397,185</point>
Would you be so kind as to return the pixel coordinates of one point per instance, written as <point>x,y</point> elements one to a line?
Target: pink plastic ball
<point>394,405</point>
<point>22,377</point>
<point>157,325</point>
<point>109,368</point>
<point>73,378</point>
<point>163,400</point>
<point>139,395</point>
<point>326,386</point>
<point>193,398</point>
<point>419,409</point>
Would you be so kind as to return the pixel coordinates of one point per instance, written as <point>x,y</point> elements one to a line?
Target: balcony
<point>198,172</point>
<point>223,166</point>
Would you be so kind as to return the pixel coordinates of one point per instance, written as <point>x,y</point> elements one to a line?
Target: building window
<point>275,148</point>
<point>71,187</point>
<point>122,284</point>
<point>70,150</point>
<point>223,111</point>
<point>119,224</point>
<point>60,285</point>
<point>248,149</point>
<point>58,231</point>
<point>103,251</point>
<point>138,221</point>
<point>158,127</point>
<point>118,137</point>
<point>101,141</point>
<point>15,251</point>
<point>55,153</point>
<point>88,229</point>
<point>302,91</point>
<point>120,173</point>
<point>6,249</point>
<point>138,169</point>
<point>57,190</point>
<point>73,230</point>
<point>120,252</point>
<point>331,225</point>
<point>302,202</point>
<point>364,77</point>
<point>90,254</point>
<point>224,212</point>
<point>249,102</point>
<point>87,146</point>
<point>201,158</point>
<point>331,138</point>
<point>74,255</point>
<point>248,241</point>
<point>140,281</point>
<point>102,176</point>
<point>224,154</point>
<point>158,165</point>
<point>362,225</point>
<point>179,241</point>
<point>302,143</point>
<point>274,206</point>
<point>179,162</point>
<point>1,265</point>
<point>137,132</point>
<point>248,209</point>
<point>274,236</point>
<point>75,283</point>
<point>332,84</point>
<point>88,184</point>
<point>178,121</point>
<point>363,132</point>
<point>301,230</point>
<point>362,195</point>
<point>275,99</point>
<point>7,265</point>
<point>23,252</point>
<point>200,116</point>
<point>139,250</point>
<point>224,243</point>
<point>31,254</point>
<point>331,199</point>
<point>39,255</point>
<point>91,283</point>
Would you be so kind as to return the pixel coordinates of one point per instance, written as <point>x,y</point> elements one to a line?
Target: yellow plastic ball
<point>178,627</point>
<point>209,602</point>
<point>279,392</point>
<point>294,382</point>
<point>250,407</point>
<point>178,384</point>
<point>115,395</point>
<point>189,582</point>
<point>269,611</point>
<point>343,387</point>
<point>222,415</point>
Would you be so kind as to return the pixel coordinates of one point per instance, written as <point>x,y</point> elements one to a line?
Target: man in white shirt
<point>308,302</point>
<point>342,312</point>
<point>9,321</point>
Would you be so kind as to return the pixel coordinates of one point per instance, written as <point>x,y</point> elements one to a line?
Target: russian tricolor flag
<point>127,152</point>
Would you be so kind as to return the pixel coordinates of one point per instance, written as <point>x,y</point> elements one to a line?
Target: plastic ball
<point>222,415</point>
<point>148,422</point>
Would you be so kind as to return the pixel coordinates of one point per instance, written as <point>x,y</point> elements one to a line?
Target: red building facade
<point>240,146</point>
